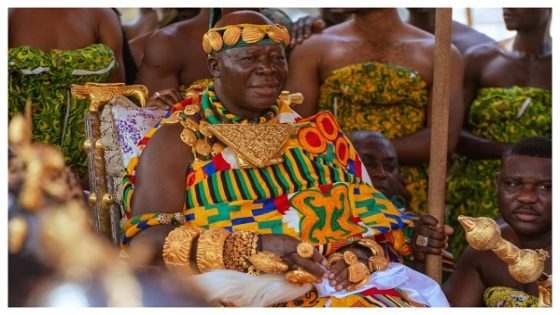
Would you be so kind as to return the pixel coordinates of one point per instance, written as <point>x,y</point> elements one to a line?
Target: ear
<point>214,66</point>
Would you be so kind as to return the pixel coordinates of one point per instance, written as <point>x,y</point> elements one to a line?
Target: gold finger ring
<point>156,95</point>
<point>357,272</point>
<point>334,258</point>
<point>305,250</point>
<point>422,241</point>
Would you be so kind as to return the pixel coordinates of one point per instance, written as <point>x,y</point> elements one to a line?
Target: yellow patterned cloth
<point>385,98</point>
<point>503,115</point>
<point>509,297</point>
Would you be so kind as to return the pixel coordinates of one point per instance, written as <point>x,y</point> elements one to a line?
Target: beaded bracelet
<point>141,222</point>
<point>237,247</point>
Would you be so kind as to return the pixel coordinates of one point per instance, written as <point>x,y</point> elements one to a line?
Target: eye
<point>512,184</point>
<point>278,58</point>
<point>545,187</point>
<point>390,167</point>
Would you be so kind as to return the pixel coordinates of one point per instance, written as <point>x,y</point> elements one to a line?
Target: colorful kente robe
<point>385,98</point>
<point>319,193</point>
<point>509,297</point>
<point>502,115</point>
<point>45,78</point>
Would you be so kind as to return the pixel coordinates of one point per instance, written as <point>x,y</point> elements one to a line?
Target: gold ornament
<point>524,265</point>
<point>215,40</point>
<point>300,276</point>
<point>191,109</point>
<point>188,137</point>
<point>357,272</point>
<point>252,34</point>
<point>202,147</point>
<point>177,248</point>
<point>206,44</point>
<point>210,250</point>
<point>203,128</point>
<point>101,93</point>
<point>334,258</point>
<point>305,249</point>
<point>259,145</point>
<point>360,284</point>
<point>17,234</point>
<point>349,257</point>
<point>217,148</point>
<point>268,262</point>
<point>545,290</point>
<point>231,35</point>
<point>377,263</point>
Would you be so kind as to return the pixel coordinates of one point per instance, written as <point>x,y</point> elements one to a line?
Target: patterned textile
<point>493,115</point>
<point>46,77</point>
<point>509,297</point>
<point>316,194</point>
<point>385,98</point>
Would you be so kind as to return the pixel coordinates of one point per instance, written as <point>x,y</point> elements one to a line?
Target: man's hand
<point>285,246</point>
<point>164,98</point>
<point>429,237</point>
<point>338,272</point>
<point>304,27</point>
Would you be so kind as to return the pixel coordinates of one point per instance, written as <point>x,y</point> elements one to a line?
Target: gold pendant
<point>191,109</point>
<point>255,145</point>
<point>202,147</point>
<point>188,137</point>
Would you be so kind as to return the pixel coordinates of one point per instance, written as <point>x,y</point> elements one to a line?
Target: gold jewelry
<point>334,258</point>
<point>229,36</point>
<point>305,249</point>
<point>377,260</point>
<point>268,262</point>
<point>360,284</point>
<point>349,257</point>
<point>300,276</point>
<point>177,248</point>
<point>210,251</point>
<point>237,247</point>
<point>256,144</point>
<point>357,272</point>
<point>422,241</point>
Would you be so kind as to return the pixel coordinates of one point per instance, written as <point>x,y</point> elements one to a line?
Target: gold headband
<point>240,35</point>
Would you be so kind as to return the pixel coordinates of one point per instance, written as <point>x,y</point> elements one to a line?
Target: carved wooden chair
<point>113,126</point>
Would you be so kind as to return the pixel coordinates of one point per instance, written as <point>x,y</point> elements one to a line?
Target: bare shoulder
<point>482,53</point>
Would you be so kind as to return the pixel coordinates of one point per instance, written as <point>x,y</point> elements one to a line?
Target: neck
<point>383,21</point>
<point>425,21</point>
<point>533,43</point>
<point>543,241</point>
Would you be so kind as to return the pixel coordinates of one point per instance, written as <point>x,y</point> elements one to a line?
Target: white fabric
<point>418,286</point>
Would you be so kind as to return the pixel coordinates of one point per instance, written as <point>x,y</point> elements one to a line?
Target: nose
<point>527,195</point>
<point>265,66</point>
<point>379,172</point>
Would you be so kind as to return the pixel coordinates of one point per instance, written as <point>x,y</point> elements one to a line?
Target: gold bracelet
<point>377,261</point>
<point>210,251</point>
<point>177,248</point>
<point>237,247</point>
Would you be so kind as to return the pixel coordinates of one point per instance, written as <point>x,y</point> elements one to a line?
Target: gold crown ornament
<point>232,36</point>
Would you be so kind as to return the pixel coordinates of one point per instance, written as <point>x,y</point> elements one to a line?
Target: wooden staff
<point>439,134</point>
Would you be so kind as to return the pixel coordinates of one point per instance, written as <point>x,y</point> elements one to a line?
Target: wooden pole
<point>439,134</point>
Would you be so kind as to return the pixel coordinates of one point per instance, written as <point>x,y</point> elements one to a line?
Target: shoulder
<point>482,52</point>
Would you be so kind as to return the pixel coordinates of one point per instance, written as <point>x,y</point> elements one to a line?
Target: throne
<point>113,126</point>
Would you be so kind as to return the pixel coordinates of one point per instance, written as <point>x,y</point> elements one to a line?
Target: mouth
<point>526,214</point>
<point>265,89</point>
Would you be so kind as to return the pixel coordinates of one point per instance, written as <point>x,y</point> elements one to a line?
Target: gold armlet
<point>377,260</point>
<point>237,247</point>
<point>210,251</point>
<point>177,248</point>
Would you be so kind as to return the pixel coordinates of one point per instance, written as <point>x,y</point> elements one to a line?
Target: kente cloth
<point>319,193</point>
<point>508,297</point>
<point>45,77</point>
<point>386,98</point>
<point>498,114</point>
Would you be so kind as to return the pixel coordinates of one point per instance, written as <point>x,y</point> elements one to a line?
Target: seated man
<point>380,160</point>
<point>524,188</point>
<point>244,177</point>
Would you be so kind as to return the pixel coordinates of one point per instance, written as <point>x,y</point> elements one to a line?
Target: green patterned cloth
<point>493,115</point>
<point>46,77</point>
<point>381,97</point>
<point>509,297</point>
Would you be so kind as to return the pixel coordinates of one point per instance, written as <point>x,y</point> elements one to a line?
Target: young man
<point>295,190</point>
<point>524,187</point>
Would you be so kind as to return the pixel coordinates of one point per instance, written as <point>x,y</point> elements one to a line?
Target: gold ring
<point>305,250</point>
<point>156,95</point>
<point>357,272</point>
<point>422,241</point>
<point>334,258</point>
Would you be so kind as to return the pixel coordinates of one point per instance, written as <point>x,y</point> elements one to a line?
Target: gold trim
<point>210,251</point>
<point>176,250</point>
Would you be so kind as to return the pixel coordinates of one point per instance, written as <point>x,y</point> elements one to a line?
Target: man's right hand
<point>429,237</point>
<point>164,98</point>
<point>285,247</point>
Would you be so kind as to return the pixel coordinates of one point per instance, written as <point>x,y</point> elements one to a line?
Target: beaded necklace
<point>213,107</point>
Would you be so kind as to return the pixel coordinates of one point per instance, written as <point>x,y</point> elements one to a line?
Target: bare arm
<point>161,63</point>
<point>470,145</point>
<point>414,149</point>
<point>465,286</point>
<point>304,76</point>
<point>110,34</point>
<point>160,182</point>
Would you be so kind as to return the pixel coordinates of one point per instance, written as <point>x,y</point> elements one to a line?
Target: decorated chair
<point>113,126</point>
